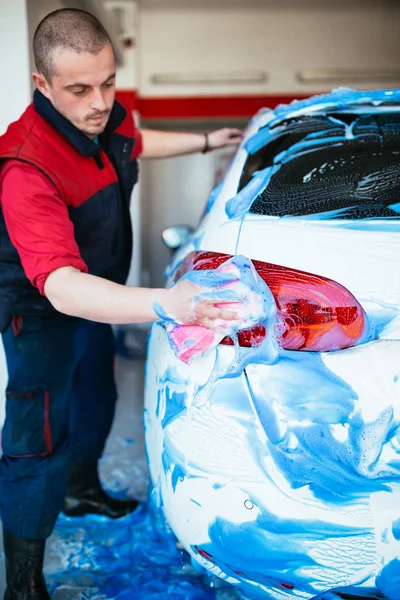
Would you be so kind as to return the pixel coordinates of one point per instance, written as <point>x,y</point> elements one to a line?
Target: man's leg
<point>95,393</point>
<point>92,414</point>
<point>35,443</point>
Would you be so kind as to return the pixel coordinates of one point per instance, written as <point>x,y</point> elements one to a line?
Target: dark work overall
<point>61,393</point>
<point>59,409</point>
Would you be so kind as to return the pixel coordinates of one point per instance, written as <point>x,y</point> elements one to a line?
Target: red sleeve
<point>37,222</point>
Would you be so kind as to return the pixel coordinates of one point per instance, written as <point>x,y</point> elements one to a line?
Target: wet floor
<point>95,558</point>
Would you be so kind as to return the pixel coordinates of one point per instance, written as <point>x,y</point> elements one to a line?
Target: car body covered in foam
<point>277,465</point>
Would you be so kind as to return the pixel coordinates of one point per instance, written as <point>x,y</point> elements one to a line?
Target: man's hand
<point>183,303</point>
<point>222,138</point>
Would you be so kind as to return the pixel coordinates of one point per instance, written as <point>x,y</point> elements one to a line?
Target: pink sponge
<point>235,285</point>
<point>192,340</point>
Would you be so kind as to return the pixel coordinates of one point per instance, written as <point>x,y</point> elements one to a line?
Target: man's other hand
<point>222,138</point>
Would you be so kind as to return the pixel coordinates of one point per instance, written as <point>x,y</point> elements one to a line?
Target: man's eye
<point>79,92</point>
<point>108,85</point>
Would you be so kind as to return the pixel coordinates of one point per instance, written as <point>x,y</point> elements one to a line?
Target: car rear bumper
<point>301,453</point>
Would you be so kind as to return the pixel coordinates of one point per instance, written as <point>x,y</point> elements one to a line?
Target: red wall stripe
<point>128,98</point>
<point>203,107</point>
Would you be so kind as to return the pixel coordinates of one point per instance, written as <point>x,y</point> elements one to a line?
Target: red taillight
<point>316,313</point>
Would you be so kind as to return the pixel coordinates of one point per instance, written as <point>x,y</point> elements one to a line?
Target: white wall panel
<point>14,52</point>
<point>195,38</point>
<point>125,16</point>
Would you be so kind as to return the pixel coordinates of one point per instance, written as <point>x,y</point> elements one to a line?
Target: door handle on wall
<point>347,75</point>
<point>210,78</point>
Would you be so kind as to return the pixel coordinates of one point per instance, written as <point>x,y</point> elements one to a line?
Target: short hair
<point>70,29</point>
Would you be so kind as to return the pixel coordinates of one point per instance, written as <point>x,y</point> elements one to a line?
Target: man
<point>67,170</point>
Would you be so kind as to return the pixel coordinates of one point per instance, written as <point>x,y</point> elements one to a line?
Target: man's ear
<point>41,84</point>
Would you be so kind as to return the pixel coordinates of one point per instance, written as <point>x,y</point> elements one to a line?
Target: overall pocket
<point>26,431</point>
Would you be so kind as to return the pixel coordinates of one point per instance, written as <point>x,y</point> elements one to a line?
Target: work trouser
<point>60,403</point>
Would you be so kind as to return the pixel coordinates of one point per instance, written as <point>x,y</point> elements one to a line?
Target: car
<point>281,474</point>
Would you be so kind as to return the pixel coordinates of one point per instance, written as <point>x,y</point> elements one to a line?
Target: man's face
<point>82,88</point>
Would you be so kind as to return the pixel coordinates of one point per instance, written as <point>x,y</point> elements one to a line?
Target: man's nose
<point>98,102</point>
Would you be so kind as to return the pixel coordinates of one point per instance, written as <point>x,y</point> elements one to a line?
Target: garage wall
<point>278,39</point>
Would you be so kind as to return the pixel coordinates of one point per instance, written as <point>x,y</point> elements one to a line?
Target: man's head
<point>76,68</point>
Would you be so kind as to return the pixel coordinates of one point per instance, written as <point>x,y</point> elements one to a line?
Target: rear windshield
<point>352,172</point>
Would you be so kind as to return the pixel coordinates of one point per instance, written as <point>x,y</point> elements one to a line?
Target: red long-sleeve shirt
<point>38,222</point>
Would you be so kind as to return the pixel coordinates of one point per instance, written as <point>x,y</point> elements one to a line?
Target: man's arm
<point>82,295</point>
<point>164,144</point>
